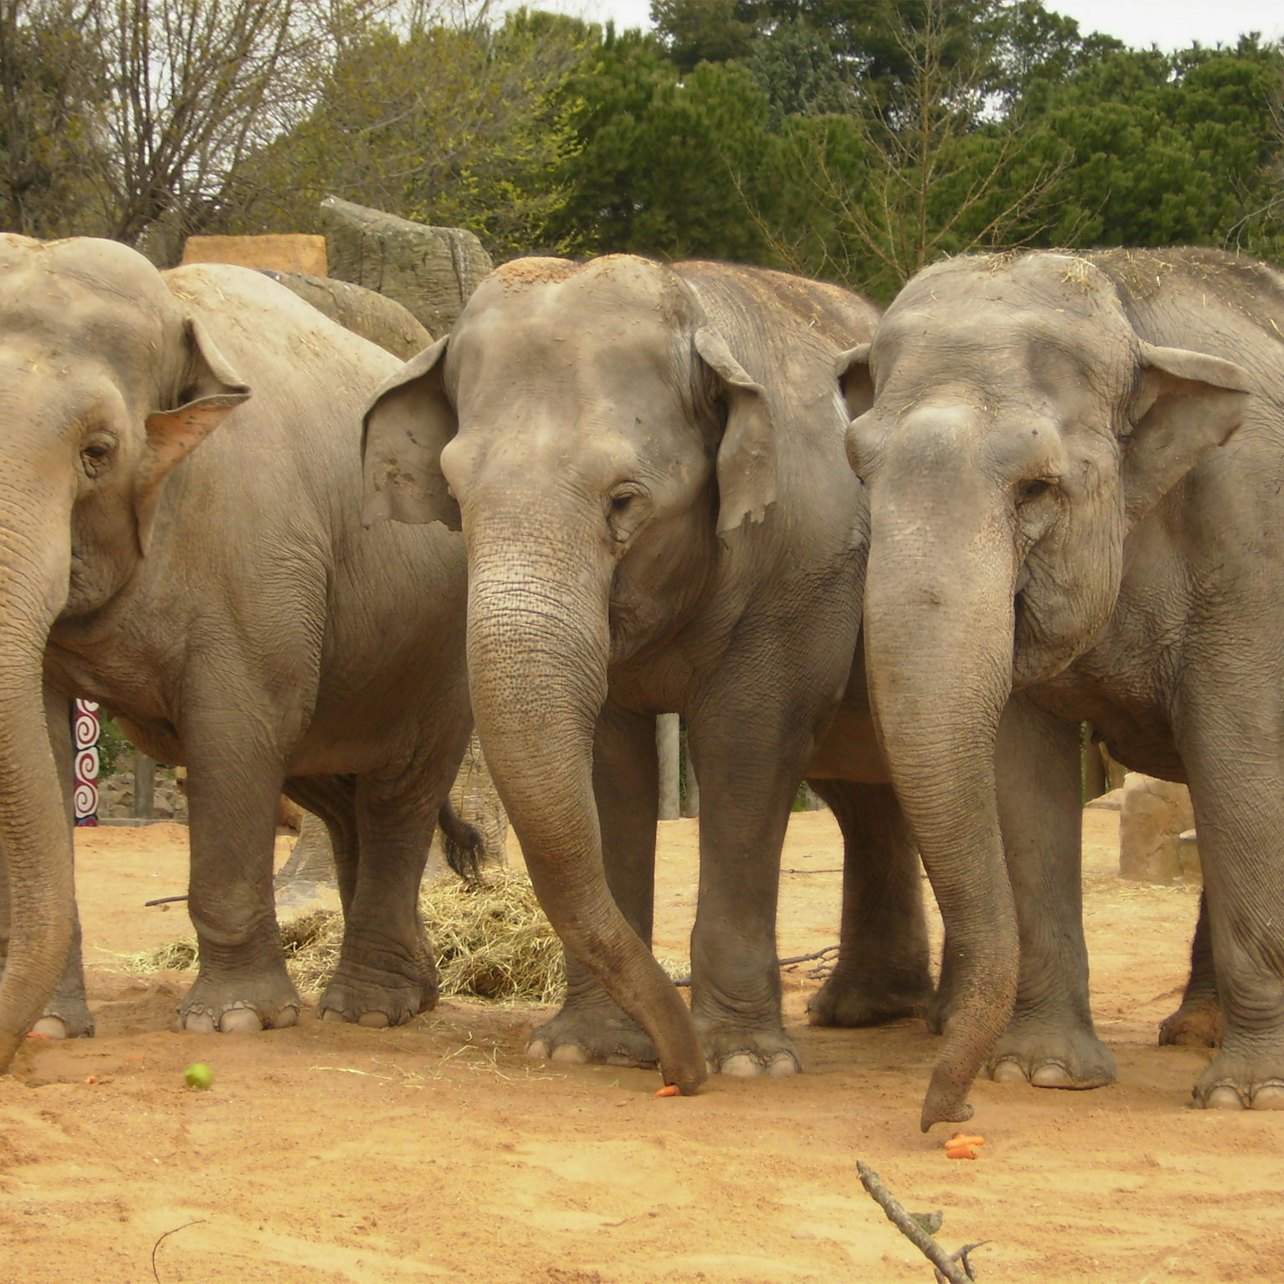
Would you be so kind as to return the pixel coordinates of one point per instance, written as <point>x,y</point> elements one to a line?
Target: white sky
<point>1170,24</point>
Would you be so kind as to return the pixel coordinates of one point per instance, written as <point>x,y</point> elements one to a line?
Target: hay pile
<point>492,942</point>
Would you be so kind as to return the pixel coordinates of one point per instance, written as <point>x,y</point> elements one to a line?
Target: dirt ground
<point>329,1153</point>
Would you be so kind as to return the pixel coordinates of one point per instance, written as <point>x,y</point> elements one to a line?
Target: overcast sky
<point>1170,24</point>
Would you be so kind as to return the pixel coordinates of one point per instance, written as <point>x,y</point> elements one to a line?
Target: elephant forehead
<point>1006,351</point>
<point>81,298</point>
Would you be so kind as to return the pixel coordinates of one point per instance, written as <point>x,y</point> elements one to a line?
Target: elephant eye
<point>1029,491</point>
<point>96,456</point>
<point>623,509</point>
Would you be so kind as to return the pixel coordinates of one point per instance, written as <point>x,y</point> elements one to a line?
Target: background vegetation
<point>853,142</point>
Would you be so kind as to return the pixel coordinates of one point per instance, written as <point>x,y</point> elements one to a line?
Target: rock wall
<point>285,252</point>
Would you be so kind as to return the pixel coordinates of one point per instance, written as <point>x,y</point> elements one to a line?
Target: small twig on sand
<point>166,1235</point>
<point>838,869</point>
<point>954,1269</point>
<point>810,958</point>
<point>164,900</point>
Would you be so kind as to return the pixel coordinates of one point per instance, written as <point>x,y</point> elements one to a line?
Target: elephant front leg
<point>750,762</point>
<point>590,1026</point>
<point>1197,1023</point>
<point>233,789</point>
<point>883,971</point>
<point>1050,1041</point>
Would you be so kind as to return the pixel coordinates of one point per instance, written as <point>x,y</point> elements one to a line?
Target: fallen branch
<point>950,1269</point>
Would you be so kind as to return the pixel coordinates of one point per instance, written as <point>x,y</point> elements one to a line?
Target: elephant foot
<point>1196,1024</point>
<point>855,1001</point>
<point>733,1049</point>
<point>70,1019</point>
<point>380,982</point>
<point>213,1006</point>
<point>1240,1083</point>
<point>599,1033</point>
<point>375,1006</point>
<point>1047,1055</point>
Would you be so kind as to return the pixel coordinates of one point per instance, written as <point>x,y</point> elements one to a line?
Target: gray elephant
<point>648,466</point>
<point>229,605</point>
<point>1074,467</point>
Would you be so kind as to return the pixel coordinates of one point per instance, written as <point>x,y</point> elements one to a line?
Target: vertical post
<point>666,744</point>
<point>144,786</point>
<point>84,758</point>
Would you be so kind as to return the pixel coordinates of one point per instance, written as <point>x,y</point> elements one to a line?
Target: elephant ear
<point>409,423</point>
<point>747,452</point>
<point>210,390</point>
<point>1186,404</point>
<point>855,380</point>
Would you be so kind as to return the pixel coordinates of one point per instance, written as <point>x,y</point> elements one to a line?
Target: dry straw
<point>492,941</point>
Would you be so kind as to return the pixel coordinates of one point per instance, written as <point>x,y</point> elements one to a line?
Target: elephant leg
<point>387,970</point>
<point>590,1025</point>
<point>749,755</point>
<point>67,1014</point>
<point>234,783</point>
<point>882,971</point>
<point>1230,746</point>
<point>1050,1041</point>
<point>1197,1023</point>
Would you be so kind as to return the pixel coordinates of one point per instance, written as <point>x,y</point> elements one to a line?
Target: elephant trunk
<point>35,837</point>
<point>938,634</point>
<point>538,648</point>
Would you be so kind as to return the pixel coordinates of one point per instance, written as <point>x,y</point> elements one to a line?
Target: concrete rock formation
<point>429,270</point>
<point>1156,838</point>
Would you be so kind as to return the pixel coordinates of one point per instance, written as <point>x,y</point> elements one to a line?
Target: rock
<point>1154,817</point>
<point>430,270</point>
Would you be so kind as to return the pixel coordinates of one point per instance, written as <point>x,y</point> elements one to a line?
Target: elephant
<point>218,591</point>
<point>1073,465</point>
<point>647,465</point>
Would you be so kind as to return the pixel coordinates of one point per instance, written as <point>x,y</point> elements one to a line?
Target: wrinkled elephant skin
<point>648,463</point>
<point>180,539</point>
<point>1075,471</point>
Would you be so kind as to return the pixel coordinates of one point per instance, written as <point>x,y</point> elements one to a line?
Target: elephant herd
<point>902,557</point>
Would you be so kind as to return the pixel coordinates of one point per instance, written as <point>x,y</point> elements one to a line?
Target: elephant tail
<point>463,845</point>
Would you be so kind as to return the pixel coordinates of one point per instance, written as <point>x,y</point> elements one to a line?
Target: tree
<point>454,125</point>
<point>920,168</point>
<point>1160,149</point>
<point>658,157</point>
<point>51,85</point>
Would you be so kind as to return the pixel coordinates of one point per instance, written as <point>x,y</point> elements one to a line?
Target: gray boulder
<point>430,270</point>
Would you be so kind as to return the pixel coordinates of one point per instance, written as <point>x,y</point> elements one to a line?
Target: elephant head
<point>1011,428</point>
<point>106,384</point>
<point>596,438</point>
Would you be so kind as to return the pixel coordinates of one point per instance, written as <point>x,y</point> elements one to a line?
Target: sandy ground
<point>329,1153</point>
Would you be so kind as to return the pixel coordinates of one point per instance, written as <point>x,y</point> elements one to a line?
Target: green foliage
<point>658,159</point>
<point>458,127</point>
<point>854,142</point>
<point>114,748</point>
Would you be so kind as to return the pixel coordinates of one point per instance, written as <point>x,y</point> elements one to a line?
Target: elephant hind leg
<point>1197,1023</point>
<point>882,973</point>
